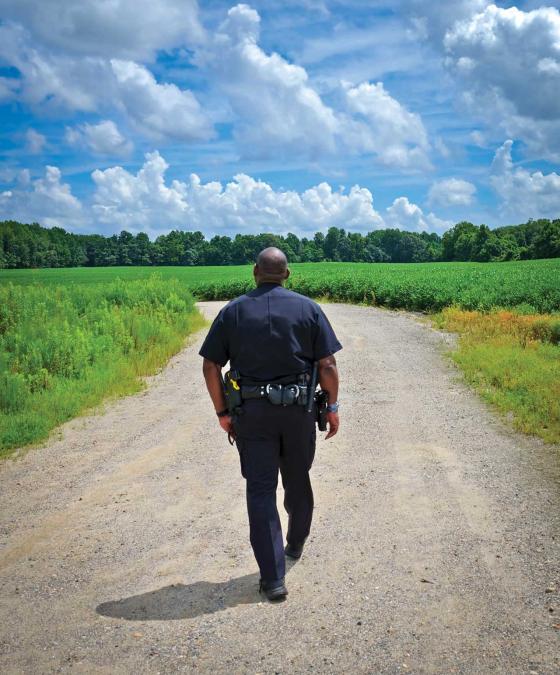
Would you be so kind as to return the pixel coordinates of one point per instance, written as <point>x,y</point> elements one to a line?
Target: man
<point>273,336</point>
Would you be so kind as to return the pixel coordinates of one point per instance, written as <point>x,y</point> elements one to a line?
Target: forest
<point>34,246</point>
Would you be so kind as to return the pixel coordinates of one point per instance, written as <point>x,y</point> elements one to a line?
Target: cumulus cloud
<point>275,108</point>
<point>159,110</point>
<point>90,84</point>
<point>133,29</point>
<point>103,138</point>
<point>144,201</point>
<point>46,200</point>
<point>433,19</point>
<point>277,112</point>
<point>451,192</point>
<point>34,141</point>
<point>514,52</point>
<point>524,194</point>
<point>54,80</point>
<point>396,135</point>
<point>509,61</point>
<point>405,215</point>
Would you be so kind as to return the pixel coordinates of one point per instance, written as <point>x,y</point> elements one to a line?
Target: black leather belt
<point>277,394</point>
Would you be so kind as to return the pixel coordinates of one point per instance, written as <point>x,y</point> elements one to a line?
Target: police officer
<point>272,337</point>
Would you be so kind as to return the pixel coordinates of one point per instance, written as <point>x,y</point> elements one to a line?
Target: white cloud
<point>405,215</point>
<point>451,192</point>
<point>134,29</point>
<point>144,201</point>
<point>103,138</point>
<point>34,141</point>
<point>159,110</point>
<point>524,194</point>
<point>141,201</point>
<point>509,61</point>
<point>53,80</point>
<point>433,19</point>
<point>91,84</point>
<point>396,135</point>
<point>45,200</point>
<point>277,112</point>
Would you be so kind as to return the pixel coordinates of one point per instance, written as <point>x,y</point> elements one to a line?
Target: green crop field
<point>533,285</point>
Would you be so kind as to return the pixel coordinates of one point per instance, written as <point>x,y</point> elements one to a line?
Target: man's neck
<point>264,282</point>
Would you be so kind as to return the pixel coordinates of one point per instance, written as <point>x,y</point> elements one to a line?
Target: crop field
<point>532,285</point>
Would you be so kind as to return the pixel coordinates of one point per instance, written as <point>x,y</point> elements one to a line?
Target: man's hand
<point>333,422</point>
<point>227,424</point>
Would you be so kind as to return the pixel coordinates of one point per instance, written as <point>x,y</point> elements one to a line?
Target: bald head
<point>272,266</point>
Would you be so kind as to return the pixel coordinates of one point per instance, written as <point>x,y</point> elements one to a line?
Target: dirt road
<point>435,548</point>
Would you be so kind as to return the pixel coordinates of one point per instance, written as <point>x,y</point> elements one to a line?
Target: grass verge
<point>64,349</point>
<point>513,361</point>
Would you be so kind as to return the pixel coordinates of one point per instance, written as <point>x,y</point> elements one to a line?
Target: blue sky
<point>290,116</point>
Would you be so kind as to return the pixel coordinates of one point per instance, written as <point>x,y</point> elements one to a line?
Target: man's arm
<point>328,379</point>
<point>213,376</point>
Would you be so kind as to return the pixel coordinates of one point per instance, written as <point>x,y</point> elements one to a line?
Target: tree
<point>31,245</point>
<point>331,243</point>
<point>459,241</point>
<point>546,243</point>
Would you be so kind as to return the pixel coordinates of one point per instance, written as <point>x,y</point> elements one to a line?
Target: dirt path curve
<point>124,542</point>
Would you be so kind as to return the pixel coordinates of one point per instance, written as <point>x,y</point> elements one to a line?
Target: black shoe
<point>294,551</point>
<point>274,590</point>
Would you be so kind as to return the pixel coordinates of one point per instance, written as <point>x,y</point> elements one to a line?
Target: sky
<point>274,116</point>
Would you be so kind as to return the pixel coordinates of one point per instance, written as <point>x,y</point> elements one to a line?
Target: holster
<point>232,391</point>
<point>321,402</point>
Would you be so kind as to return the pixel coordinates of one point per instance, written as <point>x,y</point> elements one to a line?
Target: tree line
<point>31,245</point>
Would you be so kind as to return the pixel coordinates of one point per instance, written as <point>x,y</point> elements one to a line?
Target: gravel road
<point>435,546</point>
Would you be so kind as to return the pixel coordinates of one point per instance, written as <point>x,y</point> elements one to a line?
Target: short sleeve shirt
<point>270,333</point>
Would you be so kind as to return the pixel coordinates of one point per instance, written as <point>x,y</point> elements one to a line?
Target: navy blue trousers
<point>272,438</point>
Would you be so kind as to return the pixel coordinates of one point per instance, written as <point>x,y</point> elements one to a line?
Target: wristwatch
<point>223,413</point>
<point>333,407</point>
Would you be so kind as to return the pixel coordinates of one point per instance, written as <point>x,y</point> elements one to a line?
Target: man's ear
<point>287,272</point>
<point>255,270</point>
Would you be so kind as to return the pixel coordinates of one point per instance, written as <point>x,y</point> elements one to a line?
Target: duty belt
<point>277,394</point>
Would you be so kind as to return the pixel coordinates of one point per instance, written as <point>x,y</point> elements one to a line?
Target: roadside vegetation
<point>513,361</point>
<point>64,348</point>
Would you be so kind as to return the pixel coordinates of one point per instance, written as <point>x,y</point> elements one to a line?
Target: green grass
<point>513,361</point>
<point>64,348</point>
<point>533,284</point>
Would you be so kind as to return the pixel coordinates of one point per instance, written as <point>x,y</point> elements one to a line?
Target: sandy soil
<point>435,548</point>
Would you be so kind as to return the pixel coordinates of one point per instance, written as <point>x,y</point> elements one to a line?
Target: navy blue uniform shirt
<point>270,333</point>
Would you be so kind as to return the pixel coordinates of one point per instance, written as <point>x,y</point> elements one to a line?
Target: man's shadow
<point>185,602</point>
